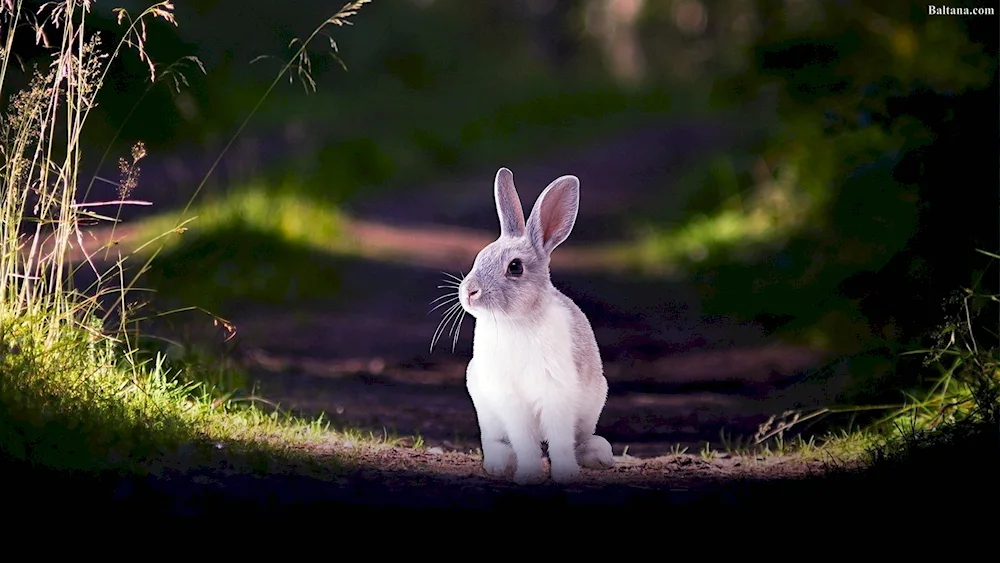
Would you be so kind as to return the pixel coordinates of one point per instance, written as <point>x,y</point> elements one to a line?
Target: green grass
<point>84,403</point>
<point>258,244</point>
<point>951,416</point>
<point>90,404</point>
<point>732,206</point>
<point>77,390</point>
<point>754,235</point>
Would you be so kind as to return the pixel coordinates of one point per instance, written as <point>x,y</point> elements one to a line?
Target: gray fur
<point>508,204</point>
<point>520,297</point>
<point>517,298</point>
<point>587,359</point>
<point>556,210</point>
<point>521,300</point>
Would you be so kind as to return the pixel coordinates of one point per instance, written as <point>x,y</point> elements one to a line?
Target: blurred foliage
<point>887,120</point>
<point>266,245</point>
<point>848,225</point>
<point>429,88</point>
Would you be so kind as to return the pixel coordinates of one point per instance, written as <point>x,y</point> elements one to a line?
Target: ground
<point>678,378</point>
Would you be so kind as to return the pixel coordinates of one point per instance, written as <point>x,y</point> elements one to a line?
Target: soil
<point>678,377</point>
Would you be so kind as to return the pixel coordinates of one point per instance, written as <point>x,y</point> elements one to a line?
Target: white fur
<point>523,383</point>
<point>535,374</point>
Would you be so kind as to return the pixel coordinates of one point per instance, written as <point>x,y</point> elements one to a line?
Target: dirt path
<point>676,375</point>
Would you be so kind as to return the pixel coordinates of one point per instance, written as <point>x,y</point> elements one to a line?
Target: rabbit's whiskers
<point>457,329</point>
<point>454,314</point>
<point>450,312</point>
<point>443,296</point>
<point>454,277</point>
<point>443,303</point>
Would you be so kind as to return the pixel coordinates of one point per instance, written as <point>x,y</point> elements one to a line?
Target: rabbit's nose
<point>473,294</point>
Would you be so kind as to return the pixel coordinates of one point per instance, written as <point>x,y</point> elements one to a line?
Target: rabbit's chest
<point>531,363</point>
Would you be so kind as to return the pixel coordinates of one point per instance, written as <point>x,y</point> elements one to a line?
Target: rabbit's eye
<point>515,268</point>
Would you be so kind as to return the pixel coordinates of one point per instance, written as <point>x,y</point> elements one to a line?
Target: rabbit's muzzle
<point>470,293</point>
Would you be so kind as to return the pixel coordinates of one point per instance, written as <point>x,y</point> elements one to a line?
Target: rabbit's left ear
<point>554,214</point>
<point>508,204</point>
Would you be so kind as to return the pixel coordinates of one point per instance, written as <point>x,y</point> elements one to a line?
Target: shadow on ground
<point>937,478</point>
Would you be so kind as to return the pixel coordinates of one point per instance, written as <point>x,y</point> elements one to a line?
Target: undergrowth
<point>952,413</point>
<point>80,404</point>
<point>77,388</point>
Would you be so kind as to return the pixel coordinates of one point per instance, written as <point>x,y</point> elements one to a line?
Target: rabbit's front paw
<point>529,476</point>
<point>565,472</point>
<point>498,461</point>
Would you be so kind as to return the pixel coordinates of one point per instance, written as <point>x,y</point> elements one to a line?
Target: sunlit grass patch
<point>743,223</point>
<point>88,403</point>
<point>82,402</point>
<point>282,213</point>
<point>254,243</point>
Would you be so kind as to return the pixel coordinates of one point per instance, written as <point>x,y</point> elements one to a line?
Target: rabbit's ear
<point>508,204</point>
<point>554,214</point>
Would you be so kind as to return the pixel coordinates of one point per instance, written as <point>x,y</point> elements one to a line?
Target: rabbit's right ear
<point>508,204</point>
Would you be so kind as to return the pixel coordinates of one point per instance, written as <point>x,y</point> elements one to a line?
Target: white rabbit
<point>536,373</point>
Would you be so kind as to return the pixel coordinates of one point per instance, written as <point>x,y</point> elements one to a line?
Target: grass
<point>952,415</point>
<point>77,392</point>
<point>755,236</point>
<point>738,206</point>
<point>79,403</point>
<point>261,244</point>
<point>739,224</point>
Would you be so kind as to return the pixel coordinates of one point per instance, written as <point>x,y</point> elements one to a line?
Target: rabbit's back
<point>586,354</point>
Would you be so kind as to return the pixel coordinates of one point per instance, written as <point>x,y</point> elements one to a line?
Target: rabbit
<point>536,373</point>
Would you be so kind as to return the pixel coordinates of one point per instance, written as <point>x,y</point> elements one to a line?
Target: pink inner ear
<point>553,213</point>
